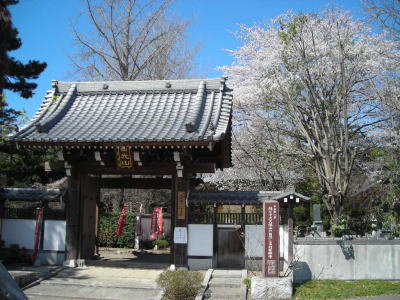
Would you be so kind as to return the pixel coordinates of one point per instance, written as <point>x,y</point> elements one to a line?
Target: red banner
<point>38,232</point>
<point>121,222</point>
<point>156,225</point>
<point>271,239</point>
<point>160,222</point>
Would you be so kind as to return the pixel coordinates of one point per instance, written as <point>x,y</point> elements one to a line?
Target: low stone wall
<point>354,259</point>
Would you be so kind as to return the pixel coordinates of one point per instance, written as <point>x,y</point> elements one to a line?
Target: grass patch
<point>338,289</point>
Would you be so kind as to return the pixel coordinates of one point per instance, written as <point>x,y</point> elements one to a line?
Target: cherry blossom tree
<point>314,84</point>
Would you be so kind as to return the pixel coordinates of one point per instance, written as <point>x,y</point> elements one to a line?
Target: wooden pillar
<point>88,230</point>
<point>180,218</point>
<point>72,214</point>
<point>97,221</point>
<point>290,231</point>
<point>215,235</point>
<point>173,204</point>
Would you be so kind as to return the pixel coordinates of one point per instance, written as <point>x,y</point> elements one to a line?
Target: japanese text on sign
<point>124,157</point>
<point>271,239</point>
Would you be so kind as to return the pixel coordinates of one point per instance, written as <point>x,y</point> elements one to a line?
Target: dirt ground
<point>130,258</point>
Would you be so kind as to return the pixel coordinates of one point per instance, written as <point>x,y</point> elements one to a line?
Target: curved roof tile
<point>131,111</point>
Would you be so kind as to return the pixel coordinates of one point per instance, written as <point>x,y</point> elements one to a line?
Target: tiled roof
<point>131,111</point>
<point>31,194</point>
<point>242,197</point>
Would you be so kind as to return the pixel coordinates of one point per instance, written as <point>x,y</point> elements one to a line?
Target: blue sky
<point>44,27</point>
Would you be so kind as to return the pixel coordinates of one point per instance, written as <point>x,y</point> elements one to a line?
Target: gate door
<point>230,249</point>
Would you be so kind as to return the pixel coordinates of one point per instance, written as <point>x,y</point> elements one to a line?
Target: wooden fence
<point>226,218</point>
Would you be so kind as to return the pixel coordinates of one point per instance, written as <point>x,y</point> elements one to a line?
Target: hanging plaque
<point>124,157</point>
<point>181,205</point>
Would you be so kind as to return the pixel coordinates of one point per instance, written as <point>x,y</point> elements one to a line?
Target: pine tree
<point>14,75</point>
<point>19,167</point>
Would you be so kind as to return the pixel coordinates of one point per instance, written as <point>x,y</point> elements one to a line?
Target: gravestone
<point>317,222</point>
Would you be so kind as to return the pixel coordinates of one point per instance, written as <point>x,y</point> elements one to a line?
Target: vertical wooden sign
<point>181,205</point>
<point>271,239</point>
<point>124,157</point>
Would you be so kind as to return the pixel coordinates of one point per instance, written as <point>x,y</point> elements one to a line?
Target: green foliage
<point>161,243</point>
<point>180,284</point>
<point>301,216</point>
<point>337,289</point>
<point>13,73</point>
<point>247,282</point>
<point>108,226</point>
<point>19,168</point>
<point>23,167</point>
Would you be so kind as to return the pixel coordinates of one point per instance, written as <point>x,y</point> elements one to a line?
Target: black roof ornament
<point>189,127</point>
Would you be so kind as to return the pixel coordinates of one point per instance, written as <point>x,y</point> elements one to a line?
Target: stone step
<point>122,282</point>
<point>23,278</point>
<point>224,281</point>
<point>222,291</point>
<point>224,297</point>
<point>227,274</point>
<point>44,297</point>
<point>82,291</point>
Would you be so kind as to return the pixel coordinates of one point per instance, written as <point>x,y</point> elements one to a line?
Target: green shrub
<point>247,282</point>
<point>161,243</point>
<point>180,284</point>
<point>108,226</point>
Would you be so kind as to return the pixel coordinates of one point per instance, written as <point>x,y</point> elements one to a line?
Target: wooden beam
<point>135,183</point>
<point>141,183</point>
<point>156,168</point>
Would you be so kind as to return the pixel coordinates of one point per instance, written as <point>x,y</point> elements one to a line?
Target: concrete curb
<point>243,287</point>
<point>204,284</point>
<point>47,276</point>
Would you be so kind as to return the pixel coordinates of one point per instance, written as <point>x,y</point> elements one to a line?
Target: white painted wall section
<point>18,231</point>
<point>253,244</point>
<point>54,235</point>
<point>347,261</point>
<point>200,240</point>
<point>254,241</point>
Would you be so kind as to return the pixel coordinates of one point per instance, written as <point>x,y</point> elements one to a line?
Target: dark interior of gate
<point>148,134</point>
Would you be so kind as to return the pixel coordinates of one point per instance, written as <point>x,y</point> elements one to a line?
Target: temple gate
<point>167,130</point>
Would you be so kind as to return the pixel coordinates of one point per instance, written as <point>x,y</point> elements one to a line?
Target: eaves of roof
<point>138,113</point>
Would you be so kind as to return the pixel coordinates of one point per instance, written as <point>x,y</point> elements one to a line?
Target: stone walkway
<point>116,276</point>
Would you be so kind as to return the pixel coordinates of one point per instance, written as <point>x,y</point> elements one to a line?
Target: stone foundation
<point>271,288</point>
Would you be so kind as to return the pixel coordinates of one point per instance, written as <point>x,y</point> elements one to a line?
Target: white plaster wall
<point>254,241</point>
<point>199,264</point>
<point>54,235</point>
<point>18,231</point>
<point>253,244</point>
<point>329,261</point>
<point>200,240</point>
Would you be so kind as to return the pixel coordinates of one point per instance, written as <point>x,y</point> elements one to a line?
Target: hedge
<point>108,226</point>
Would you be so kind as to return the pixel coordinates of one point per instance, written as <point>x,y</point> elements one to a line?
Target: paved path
<point>114,277</point>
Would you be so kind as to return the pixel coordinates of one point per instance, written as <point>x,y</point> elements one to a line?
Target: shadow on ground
<point>132,259</point>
